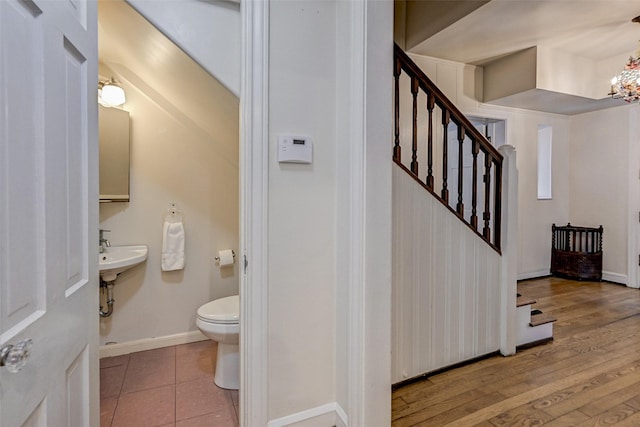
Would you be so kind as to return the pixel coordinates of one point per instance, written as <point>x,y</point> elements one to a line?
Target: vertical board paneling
<point>453,288</point>
<point>439,292</point>
<point>422,329</point>
<point>470,336</point>
<point>446,283</point>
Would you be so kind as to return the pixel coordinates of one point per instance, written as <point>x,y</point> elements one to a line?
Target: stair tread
<point>541,319</point>
<point>520,301</point>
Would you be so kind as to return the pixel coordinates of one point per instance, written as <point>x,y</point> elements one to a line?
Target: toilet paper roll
<point>225,257</point>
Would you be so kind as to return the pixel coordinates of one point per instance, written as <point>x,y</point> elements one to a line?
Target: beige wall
<point>173,160</point>
<point>599,173</point>
<point>302,217</point>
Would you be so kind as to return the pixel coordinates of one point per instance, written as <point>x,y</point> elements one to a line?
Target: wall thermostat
<point>294,149</point>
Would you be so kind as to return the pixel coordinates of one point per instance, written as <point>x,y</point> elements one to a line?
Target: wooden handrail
<point>491,167</point>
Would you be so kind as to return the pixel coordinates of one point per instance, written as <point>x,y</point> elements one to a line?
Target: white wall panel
<point>445,285</point>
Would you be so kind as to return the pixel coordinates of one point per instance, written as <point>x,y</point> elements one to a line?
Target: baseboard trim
<point>615,277</point>
<point>342,420</point>
<point>332,413</point>
<point>150,343</point>
<point>426,375</point>
<point>607,276</point>
<point>534,274</point>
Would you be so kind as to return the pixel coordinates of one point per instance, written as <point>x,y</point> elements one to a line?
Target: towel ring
<point>173,214</point>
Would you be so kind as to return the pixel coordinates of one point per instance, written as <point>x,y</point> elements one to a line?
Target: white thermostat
<point>294,149</point>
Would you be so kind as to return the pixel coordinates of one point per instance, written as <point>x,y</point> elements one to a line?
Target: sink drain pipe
<point>110,300</point>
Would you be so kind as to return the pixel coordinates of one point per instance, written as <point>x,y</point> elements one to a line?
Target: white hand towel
<point>172,246</point>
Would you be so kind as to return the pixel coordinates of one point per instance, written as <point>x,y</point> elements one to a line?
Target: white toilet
<point>219,320</point>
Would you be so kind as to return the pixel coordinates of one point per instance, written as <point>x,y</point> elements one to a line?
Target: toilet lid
<point>223,310</point>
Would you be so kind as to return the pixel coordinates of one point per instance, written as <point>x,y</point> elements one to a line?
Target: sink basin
<point>116,259</point>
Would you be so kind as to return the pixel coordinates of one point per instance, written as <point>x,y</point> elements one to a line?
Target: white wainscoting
<point>446,285</point>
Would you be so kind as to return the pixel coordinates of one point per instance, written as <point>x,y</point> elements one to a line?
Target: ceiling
<point>597,30</point>
<point>145,61</point>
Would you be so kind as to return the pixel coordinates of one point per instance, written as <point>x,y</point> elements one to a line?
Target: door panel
<point>21,141</point>
<point>48,210</point>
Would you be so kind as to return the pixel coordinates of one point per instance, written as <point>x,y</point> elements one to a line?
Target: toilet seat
<point>224,310</point>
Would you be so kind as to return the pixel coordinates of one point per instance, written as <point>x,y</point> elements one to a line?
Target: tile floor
<point>171,386</point>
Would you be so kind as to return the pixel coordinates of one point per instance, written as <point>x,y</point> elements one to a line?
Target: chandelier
<point>626,85</point>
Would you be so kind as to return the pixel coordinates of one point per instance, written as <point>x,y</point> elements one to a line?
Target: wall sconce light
<point>110,94</point>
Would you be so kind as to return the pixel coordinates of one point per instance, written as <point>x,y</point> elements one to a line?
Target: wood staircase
<point>534,326</point>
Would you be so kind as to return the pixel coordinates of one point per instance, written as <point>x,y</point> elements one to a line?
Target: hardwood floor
<point>588,376</point>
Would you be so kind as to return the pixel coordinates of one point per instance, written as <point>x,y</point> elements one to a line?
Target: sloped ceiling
<point>144,58</point>
<point>596,34</point>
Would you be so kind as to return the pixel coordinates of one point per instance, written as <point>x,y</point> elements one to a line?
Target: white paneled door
<point>48,212</point>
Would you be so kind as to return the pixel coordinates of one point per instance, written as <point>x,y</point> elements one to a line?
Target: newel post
<point>509,263</point>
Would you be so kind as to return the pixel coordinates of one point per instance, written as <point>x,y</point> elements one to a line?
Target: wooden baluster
<point>497,205</point>
<point>600,230</point>
<point>474,185</point>
<point>396,145</point>
<point>460,205</point>
<point>414,146</point>
<point>431,100</point>
<point>486,216</point>
<point>446,118</point>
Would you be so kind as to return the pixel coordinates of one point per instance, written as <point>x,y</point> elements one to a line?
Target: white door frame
<point>633,197</point>
<point>254,164</point>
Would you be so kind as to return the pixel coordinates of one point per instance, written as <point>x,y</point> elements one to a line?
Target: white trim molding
<point>534,274</point>
<point>370,395</point>
<point>118,349</point>
<point>616,278</point>
<point>606,275</point>
<point>254,163</point>
<point>330,414</point>
<point>509,260</point>
<point>633,202</point>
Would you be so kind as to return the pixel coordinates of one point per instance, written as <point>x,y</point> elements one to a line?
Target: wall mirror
<point>113,125</point>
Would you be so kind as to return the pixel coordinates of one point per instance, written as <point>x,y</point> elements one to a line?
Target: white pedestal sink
<point>116,259</point>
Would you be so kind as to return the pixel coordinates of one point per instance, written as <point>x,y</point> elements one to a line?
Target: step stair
<point>534,326</point>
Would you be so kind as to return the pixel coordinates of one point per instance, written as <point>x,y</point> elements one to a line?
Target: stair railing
<point>472,147</point>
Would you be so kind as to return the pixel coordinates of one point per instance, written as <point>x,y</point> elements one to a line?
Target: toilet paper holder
<point>232,253</point>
